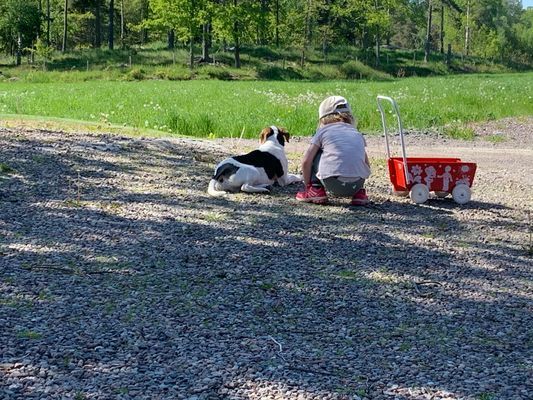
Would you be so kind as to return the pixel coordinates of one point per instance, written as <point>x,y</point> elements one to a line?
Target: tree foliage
<point>19,24</point>
<point>495,29</point>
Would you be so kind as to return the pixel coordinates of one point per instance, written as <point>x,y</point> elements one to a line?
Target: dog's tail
<point>212,191</point>
<point>222,173</point>
<point>225,171</point>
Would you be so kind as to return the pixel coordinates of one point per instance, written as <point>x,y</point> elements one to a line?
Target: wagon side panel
<point>440,175</point>
<point>397,175</point>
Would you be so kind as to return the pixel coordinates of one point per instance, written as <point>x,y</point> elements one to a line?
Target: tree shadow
<point>141,286</point>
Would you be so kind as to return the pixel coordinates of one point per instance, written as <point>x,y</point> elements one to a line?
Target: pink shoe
<point>360,198</point>
<point>313,194</point>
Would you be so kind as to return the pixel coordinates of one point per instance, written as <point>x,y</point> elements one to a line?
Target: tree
<point>122,43</point>
<point>111,34</point>
<point>182,16</point>
<point>19,25</point>
<point>48,20</point>
<point>65,26</point>
<point>234,20</point>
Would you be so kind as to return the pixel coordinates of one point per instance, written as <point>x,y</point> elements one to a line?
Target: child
<point>336,160</point>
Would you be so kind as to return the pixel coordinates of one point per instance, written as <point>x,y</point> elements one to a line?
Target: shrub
<point>136,74</point>
<point>215,72</point>
<point>173,74</point>
<point>323,72</point>
<point>357,70</point>
<point>275,73</point>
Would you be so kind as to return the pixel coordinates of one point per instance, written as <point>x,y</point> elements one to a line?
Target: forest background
<point>499,31</point>
<point>302,49</point>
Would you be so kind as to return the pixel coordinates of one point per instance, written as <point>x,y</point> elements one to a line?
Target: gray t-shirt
<point>343,152</point>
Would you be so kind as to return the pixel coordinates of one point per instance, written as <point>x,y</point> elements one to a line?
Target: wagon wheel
<point>461,193</point>
<point>419,193</point>
<point>441,195</point>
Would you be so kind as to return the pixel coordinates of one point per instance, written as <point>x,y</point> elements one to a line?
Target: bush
<point>323,72</point>
<point>173,74</point>
<point>275,73</point>
<point>136,74</point>
<point>357,70</point>
<point>215,72</point>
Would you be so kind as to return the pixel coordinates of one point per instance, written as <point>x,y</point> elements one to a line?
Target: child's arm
<point>307,162</point>
<point>366,160</point>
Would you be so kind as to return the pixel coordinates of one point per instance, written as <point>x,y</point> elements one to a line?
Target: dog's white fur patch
<point>251,179</point>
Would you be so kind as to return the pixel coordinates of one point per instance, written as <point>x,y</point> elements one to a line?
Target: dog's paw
<point>293,178</point>
<point>255,189</point>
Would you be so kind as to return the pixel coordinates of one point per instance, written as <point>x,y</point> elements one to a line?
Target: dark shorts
<point>340,188</point>
<point>333,185</point>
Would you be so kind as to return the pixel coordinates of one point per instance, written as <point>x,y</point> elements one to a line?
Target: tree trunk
<point>48,22</point>
<point>261,34</point>
<point>236,38</point>
<point>206,41</point>
<point>144,16</point>
<point>307,38</point>
<point>40,8</point>
<point>277,24</point>
<point>171,39</point>
<point>65,26</point>
<point>97,25</point>
<point>237,52</point>
<point>442,28</point>
<point>427,47</point>
<point>19,50</point>
<point>467,30</point>
<point>191,52</point>
<point>111,34</point>
<point>122,43</point>
<point>377,38</point>
<point>378,54</point>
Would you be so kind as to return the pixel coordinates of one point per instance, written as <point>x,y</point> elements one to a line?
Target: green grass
<point>496,138</point>
<point>5,169</point>
<point>28,334</point>
<point>459,132</point>
<point>215,108</point>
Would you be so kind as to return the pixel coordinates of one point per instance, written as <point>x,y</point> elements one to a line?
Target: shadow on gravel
<point>129,282</point>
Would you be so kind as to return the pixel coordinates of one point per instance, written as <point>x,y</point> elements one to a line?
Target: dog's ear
<point>283,136</point>
<point>265,133</point>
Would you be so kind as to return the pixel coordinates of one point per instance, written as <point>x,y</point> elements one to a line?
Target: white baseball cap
<point>333,105</point>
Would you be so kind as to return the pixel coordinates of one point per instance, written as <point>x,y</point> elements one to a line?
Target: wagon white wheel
<point>441,195</point>
<point>419,193</point>
<point>461,193</point>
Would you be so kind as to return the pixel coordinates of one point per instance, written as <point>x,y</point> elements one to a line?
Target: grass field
<point>221,109</point>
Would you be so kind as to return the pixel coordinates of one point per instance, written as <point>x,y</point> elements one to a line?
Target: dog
<point>256,171</point>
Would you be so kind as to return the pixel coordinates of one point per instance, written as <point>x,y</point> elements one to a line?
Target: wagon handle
<point>400,130</point>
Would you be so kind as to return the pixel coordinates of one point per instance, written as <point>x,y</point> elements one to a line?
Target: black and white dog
<point>256,171</point>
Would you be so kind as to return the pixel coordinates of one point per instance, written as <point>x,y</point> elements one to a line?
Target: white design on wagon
<point>446,178</point>
<point>431,174</point>
<point>415,174</point>
<point>464,178</point>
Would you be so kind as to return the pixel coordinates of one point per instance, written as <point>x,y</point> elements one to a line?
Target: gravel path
<point>121,279</point>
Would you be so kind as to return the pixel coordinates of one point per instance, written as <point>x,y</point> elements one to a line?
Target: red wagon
<point>418,176</point>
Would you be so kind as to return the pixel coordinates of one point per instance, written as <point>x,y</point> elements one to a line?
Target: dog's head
<point>276,134</point>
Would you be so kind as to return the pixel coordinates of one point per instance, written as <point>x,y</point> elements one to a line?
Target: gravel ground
<point>121,279</point>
